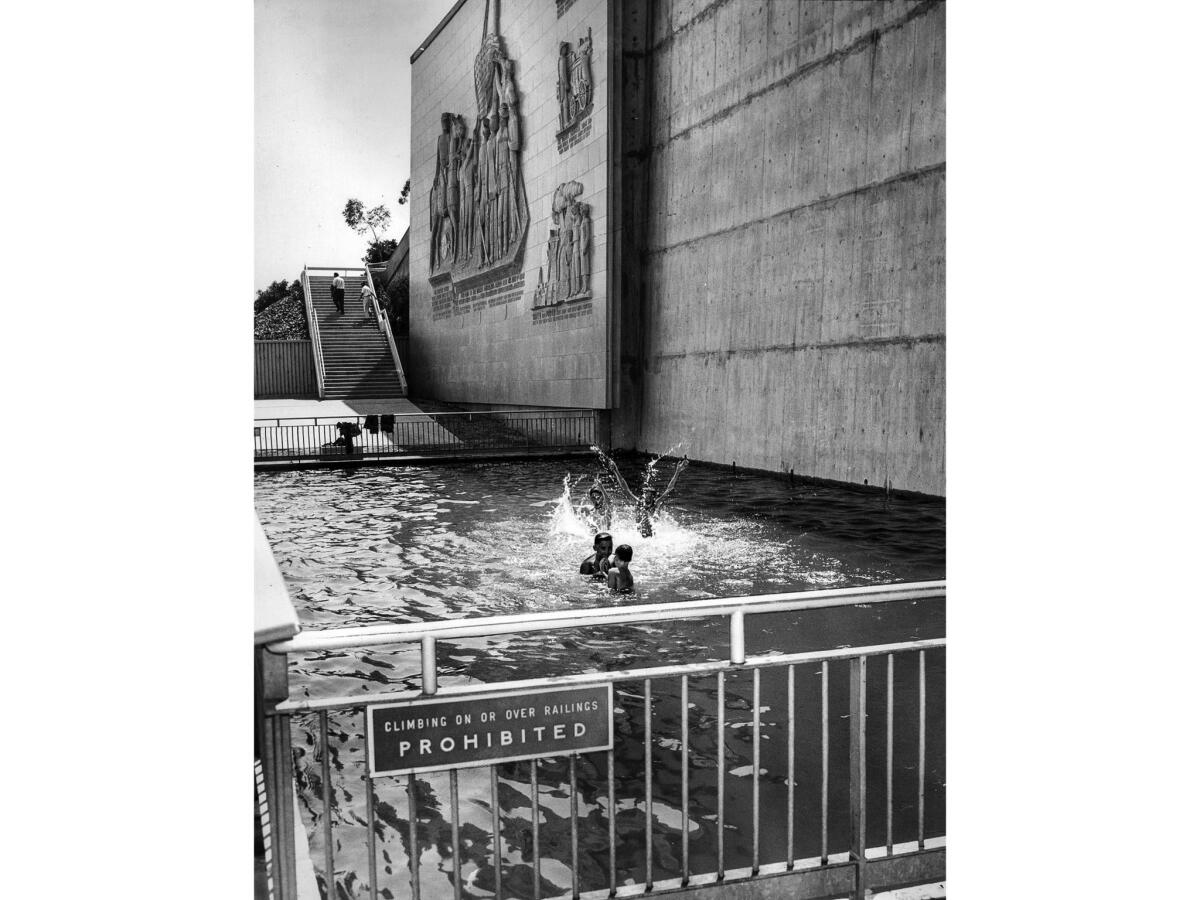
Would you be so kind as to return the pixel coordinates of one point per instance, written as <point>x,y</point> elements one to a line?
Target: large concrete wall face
<point>495,348</point>
<point>794,297</point>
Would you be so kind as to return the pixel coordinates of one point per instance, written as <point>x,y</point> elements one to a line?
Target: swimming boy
<point>619,576</point>
<point>597,564</point>
<point>601,511</point>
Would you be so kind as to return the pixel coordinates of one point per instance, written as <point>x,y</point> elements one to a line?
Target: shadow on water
<point>418,544</point>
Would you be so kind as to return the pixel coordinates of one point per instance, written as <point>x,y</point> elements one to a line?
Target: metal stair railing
<point>387,331</point>
<point>314,332</point>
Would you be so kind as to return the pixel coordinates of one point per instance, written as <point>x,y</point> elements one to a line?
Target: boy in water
<point>619,576</point>
<point>601,511</point>
<point>597,564</point>
<point>646,506</point>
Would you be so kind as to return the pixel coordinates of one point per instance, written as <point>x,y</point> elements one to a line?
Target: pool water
<point>410,544</point>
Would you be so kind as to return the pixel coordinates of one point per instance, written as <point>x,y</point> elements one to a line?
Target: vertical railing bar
<point>720,776</point>
<point>684,766</point>
<point>370,818</point>
<point>649,764</point>
<point>754,779</point>
<point>921,752</point>
<point>612,826</point>
<point>454,857</point>
<point>791,769</point>
<point>537,850</point>
<point>574,828</point>
<point>327,799</point>
<point>497,864</point>
<point>858,774</point>
<point>824,762</point>
<point>891,683</point>
<point>414,856</point>
<point>271,780</point>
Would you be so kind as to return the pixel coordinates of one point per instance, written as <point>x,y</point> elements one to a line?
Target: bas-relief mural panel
<point>478,211</point>
<point>498,179</point>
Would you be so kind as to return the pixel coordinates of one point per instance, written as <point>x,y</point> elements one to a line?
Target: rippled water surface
<point>408,544</point>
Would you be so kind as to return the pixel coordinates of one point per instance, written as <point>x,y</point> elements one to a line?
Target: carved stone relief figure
<point>568,249</point>
<point>479,214</point>
<point>439,194</point>
<point>468,196</point>
<point>583,249</point>
<point>581,73</point>
<point>504,199</point>
<point>566,111</point>
<point>575,86</point>
<point>457,134</point>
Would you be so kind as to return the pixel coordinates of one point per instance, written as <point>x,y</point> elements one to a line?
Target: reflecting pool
<point>411,544</point>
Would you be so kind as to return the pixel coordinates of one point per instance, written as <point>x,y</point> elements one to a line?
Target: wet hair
<point>602,536</point>
<point>624,552</point>
<point>595,492</point>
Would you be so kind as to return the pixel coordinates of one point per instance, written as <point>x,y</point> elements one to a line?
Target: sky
<point>331,121</point>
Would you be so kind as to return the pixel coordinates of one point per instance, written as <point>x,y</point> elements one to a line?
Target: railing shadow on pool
<point>863,823</point>
<point>290,442</point>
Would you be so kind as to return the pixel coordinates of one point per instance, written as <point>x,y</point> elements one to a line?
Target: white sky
<point>331,121</point>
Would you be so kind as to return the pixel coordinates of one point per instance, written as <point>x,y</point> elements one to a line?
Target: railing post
<point>737,638</point>
<point>276,748</point>
<point>428,665</point>
<point>387,331</point>
<point>314,333</point>
<point>858,774</point>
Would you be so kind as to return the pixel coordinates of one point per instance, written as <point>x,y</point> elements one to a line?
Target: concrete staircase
<point>358,362</point>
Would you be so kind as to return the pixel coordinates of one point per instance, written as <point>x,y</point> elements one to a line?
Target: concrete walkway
<point>334,409</point>
<point>417,427</point>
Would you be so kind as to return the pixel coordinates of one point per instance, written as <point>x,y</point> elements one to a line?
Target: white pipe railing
<point>387,331</point>
<point>314,333</point>
<point>736,608</point>
<point>922,859</point>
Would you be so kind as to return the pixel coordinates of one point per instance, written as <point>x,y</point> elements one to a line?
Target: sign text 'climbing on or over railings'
<point>428,735</point>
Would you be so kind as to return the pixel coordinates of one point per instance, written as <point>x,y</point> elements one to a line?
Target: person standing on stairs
<point>338,291</point>
<point>367,297</point>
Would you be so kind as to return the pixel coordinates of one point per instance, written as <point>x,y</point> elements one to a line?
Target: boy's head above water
<point>603,543</point>
<point>624,553</point>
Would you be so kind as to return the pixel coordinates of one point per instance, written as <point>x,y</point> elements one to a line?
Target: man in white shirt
<point>338,290</point>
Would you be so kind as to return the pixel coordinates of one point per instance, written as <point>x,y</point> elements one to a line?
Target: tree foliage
<point>276,291</point>
<point>381,251</point>
<point>404,193</point>
<point>279,312</point>
<point>361,221</point>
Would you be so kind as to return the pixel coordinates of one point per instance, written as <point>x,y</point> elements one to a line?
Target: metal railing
<point>386,326</point>
<point>314,333</point>
<point>852,867</point>
<point>295,440</point>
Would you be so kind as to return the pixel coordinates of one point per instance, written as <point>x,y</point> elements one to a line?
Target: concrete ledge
<point>461,456</point>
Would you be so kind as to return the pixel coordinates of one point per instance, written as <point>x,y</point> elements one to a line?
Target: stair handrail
<point>314,333</point>
<point>387,330</point>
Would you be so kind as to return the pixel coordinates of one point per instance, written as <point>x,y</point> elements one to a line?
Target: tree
<point>374,220</point>
<point>381,251</point>
<point>276,291</point>
<point>404,193</point>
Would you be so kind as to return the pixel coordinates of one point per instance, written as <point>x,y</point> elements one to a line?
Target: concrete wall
<point>792,314</point>
<point>497,349</point>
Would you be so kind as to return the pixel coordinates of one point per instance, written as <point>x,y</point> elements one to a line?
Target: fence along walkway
<point>646,853</point>
<point>289,441</point>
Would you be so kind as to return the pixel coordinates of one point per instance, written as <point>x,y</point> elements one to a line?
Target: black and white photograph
<point>599,450</point>
<point>712,449</point>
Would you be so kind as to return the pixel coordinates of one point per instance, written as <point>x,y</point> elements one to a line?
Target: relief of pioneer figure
<point>479,213</point>
<point>568,249</point>
<point>574,83</point>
